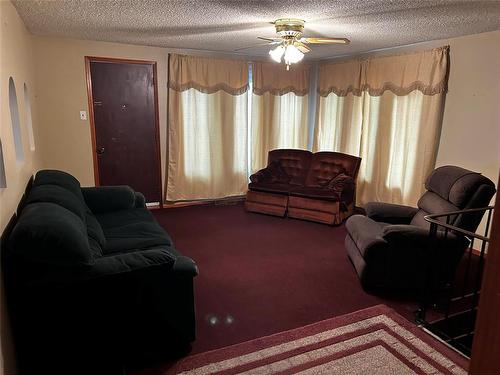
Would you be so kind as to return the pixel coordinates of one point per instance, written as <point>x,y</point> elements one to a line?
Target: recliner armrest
<point>390,213</point>
<point>416,236</point>
<point>109,198</point>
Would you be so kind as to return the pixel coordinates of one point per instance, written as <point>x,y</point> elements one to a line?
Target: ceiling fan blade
<point>270,39</point>
<point>302,47</point>
<point>255,45</point>
<point>325,40</point>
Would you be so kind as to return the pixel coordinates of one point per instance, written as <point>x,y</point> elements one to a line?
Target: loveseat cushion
<point>294,162</point>
<point>131,230</point>
<point>326,165</point>
<point>315,192</point>
<point>273,173</point>
<point>270,187</point>
<point>50,234</point>
<point>322,172</point>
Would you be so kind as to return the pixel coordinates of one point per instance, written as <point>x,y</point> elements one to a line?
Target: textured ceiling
<point>226,25</point>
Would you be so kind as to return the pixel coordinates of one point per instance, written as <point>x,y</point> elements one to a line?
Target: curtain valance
<point>425,71</point>
<point>340,78</point>
<point>207,75</point>
<point>275,79</point>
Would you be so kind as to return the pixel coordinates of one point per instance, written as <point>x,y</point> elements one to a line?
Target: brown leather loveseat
<point>317,186</point>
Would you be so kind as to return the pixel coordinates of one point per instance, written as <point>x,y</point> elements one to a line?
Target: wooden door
<point>124,116</point>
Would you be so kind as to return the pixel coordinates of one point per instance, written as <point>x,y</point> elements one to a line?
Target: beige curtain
<point>207,128</point>
<point>340,108</point>
<point>387,110</point>
<point>279,109</point>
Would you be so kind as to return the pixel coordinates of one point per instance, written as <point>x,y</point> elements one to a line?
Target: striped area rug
<point>374,341</point>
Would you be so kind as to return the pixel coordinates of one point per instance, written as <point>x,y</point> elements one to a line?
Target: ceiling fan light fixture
<point>277,53</point>
<point>292,55</point>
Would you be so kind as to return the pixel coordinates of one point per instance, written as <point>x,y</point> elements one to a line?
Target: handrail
<point>432,219</point>
<point>436,291</point>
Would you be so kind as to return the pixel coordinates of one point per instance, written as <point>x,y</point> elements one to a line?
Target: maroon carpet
<point>375,341</point>
<point>261,274</point>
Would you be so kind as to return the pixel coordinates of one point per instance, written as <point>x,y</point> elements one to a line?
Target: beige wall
<point>62,93</point>
<point>16,60</point>
<point>470,136</point>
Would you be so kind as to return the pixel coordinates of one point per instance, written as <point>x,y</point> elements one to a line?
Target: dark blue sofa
<point>92,280</point>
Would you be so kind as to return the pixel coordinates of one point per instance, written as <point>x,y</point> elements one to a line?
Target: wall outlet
<point>83,115</point>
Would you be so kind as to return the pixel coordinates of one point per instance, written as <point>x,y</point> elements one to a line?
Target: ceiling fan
<point>291,46</point>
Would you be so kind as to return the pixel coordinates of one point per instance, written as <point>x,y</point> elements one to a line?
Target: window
<point>16,126</point>
<point>29,121</point>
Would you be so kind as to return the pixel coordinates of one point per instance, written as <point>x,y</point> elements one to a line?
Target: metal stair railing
<point>449,311</point>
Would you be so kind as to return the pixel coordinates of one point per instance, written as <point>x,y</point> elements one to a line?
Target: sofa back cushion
<point>58,195</point>
<point>50,234</point>
<point>326,165</point>
<point>63,189</point>
<point>59,178</point>
<point>294,162</point>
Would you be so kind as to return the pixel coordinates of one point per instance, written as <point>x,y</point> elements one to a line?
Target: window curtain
<point>279,109</point>
<point>340,108</point>
<point>207,128</point>
<point>387,110</point>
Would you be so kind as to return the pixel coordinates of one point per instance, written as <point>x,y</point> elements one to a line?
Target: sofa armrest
<point>185,266</point>
<point>260,176</point>
<point>344,187</point>
<point>390,213</point>
<point>121,264</point>
<point>109,198</point>
<point>140,200</point>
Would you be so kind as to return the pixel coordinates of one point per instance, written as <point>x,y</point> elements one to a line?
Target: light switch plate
<point>83,115</point>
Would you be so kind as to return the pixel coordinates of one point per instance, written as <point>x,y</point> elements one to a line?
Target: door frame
<point>88,77</point>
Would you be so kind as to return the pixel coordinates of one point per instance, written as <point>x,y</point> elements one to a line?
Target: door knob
<point>100,150</point>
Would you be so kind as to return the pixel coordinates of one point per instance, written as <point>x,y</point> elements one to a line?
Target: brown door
<point>123,99</point>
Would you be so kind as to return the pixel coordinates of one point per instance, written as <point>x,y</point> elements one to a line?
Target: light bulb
<point>277,53</point>
<point>293,55</point>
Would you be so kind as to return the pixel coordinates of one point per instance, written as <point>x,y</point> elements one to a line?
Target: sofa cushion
<point>270,187</point>
<point>59,178</point>
<point>315,192</point>
<point>109,198</point>
<point>276,174</point>
<point>326,165</point>
<point>50,234</point>
<point>131,230</point>
<point>322,172</point>
<point>56,194</point>
<point>295,163</point>
<point>94,229</point>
